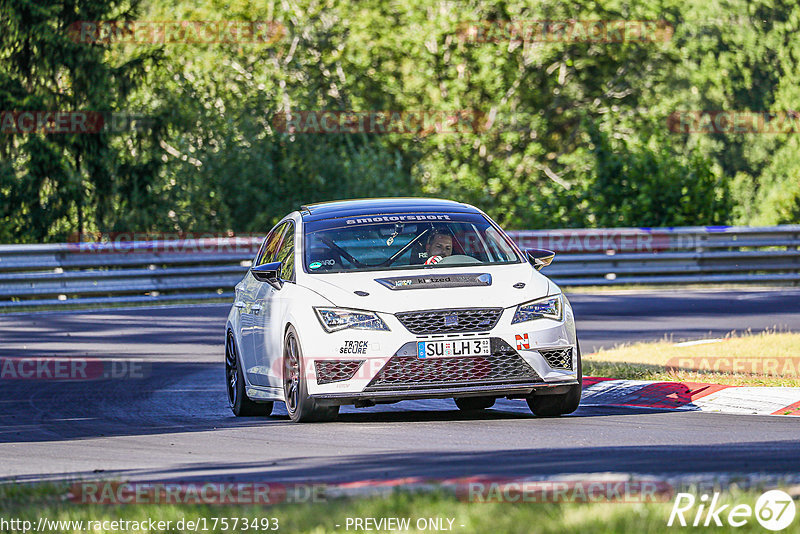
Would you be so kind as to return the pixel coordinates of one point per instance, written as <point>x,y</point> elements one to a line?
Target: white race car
<point>376,301</point>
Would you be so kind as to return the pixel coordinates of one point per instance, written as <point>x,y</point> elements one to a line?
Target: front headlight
<point>335,319</point>
<point>546,308</point>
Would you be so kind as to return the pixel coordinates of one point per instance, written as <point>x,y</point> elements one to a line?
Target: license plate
<point>453,347</point>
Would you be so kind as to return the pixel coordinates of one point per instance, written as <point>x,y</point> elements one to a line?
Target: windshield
<point>412,241</point>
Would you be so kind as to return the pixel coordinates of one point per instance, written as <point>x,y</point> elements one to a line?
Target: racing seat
<point>418,254</point>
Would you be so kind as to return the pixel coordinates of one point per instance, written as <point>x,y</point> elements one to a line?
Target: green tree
<point>52,185</point>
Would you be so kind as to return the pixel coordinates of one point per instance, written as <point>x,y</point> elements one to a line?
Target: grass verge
<point>764,359</point>
<point>31,503</point>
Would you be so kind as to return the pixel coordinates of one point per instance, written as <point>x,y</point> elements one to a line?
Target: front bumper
<point>353,366</point>
<point>509,390</point>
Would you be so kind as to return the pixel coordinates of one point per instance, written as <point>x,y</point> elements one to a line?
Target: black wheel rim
<point>291,374</point>
<point>231,372</point>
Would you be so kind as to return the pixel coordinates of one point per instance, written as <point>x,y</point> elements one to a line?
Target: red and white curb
<point>691,396</point>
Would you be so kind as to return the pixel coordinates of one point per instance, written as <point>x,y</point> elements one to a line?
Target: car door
<point>269,333</point>
<point>249,302</point>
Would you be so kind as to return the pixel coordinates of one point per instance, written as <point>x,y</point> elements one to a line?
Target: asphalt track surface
<point>175,425</point>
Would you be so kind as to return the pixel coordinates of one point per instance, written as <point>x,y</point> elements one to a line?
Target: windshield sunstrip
<point>397,218</point>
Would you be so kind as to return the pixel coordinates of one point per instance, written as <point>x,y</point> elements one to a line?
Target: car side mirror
<point>269,273</point>
<point>540,258</point>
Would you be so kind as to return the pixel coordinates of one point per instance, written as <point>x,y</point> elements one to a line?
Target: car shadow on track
<point>729,460</point>
<point>445,410</point>
<point>183,397</point>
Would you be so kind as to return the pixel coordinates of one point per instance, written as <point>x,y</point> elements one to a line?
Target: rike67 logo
<point>774,510</point>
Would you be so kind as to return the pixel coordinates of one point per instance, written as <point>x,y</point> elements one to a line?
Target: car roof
<point>381,206</point>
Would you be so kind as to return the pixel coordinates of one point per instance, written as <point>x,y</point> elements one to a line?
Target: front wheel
<point>300,406</point>
<point>563,404</point>
<point>238,400</point>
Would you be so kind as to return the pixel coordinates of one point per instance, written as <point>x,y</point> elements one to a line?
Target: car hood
<point>425,289</point>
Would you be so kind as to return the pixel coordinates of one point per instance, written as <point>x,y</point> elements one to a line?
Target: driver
<point>439,246</point>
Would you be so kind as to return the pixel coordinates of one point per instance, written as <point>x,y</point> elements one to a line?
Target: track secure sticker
<point>354,347</point>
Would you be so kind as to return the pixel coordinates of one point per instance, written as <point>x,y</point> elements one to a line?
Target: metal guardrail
<point>689,255</point>
<point>200,269</point>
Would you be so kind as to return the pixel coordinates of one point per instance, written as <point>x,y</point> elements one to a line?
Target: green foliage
<point>645,183</point>
<point>54,184</point>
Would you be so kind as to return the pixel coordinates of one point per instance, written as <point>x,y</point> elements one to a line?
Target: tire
<point>563,404</point>
<point>299,405</point>
<point>474,404</point>
<point>238,400</point>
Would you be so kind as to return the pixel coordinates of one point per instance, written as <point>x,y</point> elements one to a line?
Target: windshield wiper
<point>385,263</point>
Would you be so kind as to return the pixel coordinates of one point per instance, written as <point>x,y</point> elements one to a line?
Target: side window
<point>261,249</point>
<point>270,246</point>
<point>286,254</point>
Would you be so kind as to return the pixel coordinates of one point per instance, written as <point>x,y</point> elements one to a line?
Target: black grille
<point>336,370</point>
<point>450,321</point>
<point>503,366</point>
<point>558,358</point>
